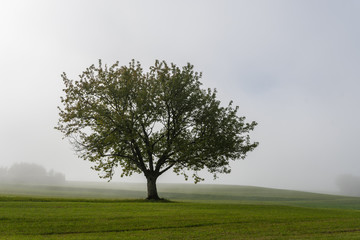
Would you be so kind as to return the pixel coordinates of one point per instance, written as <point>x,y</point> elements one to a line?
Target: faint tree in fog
<point>151,122</point>
<point>349,185</point>
<point>3,174</point>
<point>55,177</point>
<point>33,174</point>
<point>26,172</point>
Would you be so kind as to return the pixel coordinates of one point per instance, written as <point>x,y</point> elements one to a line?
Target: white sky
<point>290,65</point>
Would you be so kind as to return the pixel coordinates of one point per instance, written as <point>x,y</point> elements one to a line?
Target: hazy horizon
<point>289,65</point>
<point>35,174</point>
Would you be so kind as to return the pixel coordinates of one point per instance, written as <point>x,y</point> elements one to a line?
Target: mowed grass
<point>39,218</point>
<point>35,217</point>
<point>186,192</point>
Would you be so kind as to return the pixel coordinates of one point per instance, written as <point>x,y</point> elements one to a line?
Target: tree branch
<point>167,168</point>
<point>137,155</point>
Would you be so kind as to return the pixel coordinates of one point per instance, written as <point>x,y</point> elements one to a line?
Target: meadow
<point>116,211</point>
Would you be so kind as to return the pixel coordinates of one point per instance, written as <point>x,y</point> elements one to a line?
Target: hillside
<point>186,192</point>
<point>117,211</point>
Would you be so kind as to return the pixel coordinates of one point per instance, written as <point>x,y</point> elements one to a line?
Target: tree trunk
<point>151,187</point>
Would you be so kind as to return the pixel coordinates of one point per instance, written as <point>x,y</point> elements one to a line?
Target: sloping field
<point>186,192</point>
<point>100,211</point>
<point>51,218</point>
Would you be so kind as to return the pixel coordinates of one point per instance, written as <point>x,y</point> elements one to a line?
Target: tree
<point>30,173</point>
<point>3,174</point>
<point>151,122</point>
<point>27,173</point>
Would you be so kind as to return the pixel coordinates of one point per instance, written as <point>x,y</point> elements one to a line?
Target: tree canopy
<point>150,122</point>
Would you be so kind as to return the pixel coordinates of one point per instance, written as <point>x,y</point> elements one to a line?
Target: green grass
<point>186,192</point>
<point>41,218</point>
<point>259,214</point>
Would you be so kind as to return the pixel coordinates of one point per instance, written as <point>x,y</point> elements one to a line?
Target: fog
<point>30,173</point>
<point>292,66</point>
<point>349,185</point>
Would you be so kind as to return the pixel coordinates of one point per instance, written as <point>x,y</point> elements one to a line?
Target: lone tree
<point>151,122</point>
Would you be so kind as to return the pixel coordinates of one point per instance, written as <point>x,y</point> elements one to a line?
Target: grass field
<point>197,212</point>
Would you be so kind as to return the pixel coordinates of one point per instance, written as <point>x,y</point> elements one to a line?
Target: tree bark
<point>151,187</point>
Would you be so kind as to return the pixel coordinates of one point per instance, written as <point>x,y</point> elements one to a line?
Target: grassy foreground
<point>38,217</point>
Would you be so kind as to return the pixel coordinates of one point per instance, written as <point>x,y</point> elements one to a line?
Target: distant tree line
<point>349,185</point>
<point>30,173</point>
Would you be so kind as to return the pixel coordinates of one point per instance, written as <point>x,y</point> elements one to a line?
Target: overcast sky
<point>292,66</point>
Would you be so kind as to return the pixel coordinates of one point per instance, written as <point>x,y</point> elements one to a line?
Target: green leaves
<point>119,116</point>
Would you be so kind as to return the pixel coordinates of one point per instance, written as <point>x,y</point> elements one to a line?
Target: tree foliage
<point>150,122</point>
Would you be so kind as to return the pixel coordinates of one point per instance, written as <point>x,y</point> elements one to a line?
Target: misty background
<point>292,66</point>
<point>30,173</point>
